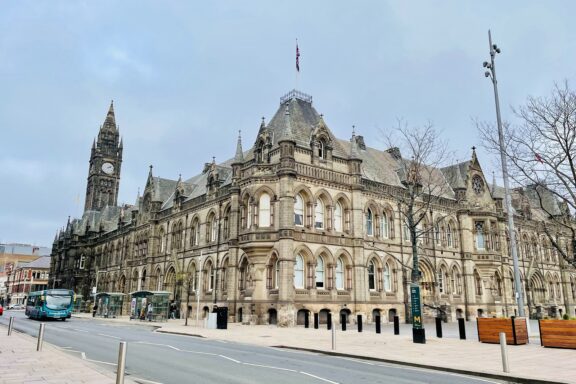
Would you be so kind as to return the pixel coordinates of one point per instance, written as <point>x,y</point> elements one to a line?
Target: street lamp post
<point>491,73</point>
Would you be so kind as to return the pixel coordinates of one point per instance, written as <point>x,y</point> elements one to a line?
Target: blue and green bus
<point>50,304</point>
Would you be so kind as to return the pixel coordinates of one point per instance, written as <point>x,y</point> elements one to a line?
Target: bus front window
<point>58,302</point>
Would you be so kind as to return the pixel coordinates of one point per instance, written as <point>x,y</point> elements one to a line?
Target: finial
<point>321,115</point>
<point>240,132</point>
<point>151,166</point>
<point>473,149</point>
<point>213,159</point>
<point>353,130</point>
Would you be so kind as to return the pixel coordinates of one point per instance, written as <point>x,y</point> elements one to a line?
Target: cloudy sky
<point>185,76</point>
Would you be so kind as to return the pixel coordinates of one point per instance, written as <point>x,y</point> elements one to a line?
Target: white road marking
<point>110,336</point>
<point>101,362</point>
<point>144,381</point>
<point>221,341</point>
<point>161,345</point>
<point>229,358</point>
<point>354,360</point>
<point>80,330</point>
<point>199,353</point>
<point>271,367</point>
<point>318,377</point>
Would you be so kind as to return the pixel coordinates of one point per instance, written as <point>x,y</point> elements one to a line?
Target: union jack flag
<point>297,58</point>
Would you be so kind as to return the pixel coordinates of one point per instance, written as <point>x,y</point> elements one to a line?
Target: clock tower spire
<point>105,162</point>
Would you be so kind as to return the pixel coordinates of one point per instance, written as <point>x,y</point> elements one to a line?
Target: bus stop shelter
<point>149,305</point>
<point>109,304</point>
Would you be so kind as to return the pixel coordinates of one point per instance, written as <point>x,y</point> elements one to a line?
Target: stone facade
<point>303,221</point>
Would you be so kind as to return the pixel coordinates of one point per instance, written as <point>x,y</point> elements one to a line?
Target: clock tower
<point>104,170</point>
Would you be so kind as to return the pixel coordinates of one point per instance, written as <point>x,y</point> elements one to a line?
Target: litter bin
<point>221,317</point>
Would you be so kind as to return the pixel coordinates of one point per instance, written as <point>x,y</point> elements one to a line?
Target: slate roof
<point>303,119</point>
<point>456,174</point>
<point>549,202</point>
<point>41,262</point>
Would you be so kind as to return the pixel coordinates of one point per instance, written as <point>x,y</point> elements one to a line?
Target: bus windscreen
<point>58,302</point>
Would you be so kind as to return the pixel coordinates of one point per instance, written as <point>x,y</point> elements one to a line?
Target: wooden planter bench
<point>558,333</point>
<point>515,328</point>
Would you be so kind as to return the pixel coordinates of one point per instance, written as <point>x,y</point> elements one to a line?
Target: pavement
<point>528,363</point>
<point>20,363</point>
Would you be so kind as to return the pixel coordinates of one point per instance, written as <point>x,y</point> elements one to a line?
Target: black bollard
<point>439,327</point>
<point>378,329</point>
<point>343,321</point>
<point>315,321</point>
<point>306,319</point>
<point>462,329</point>
<point>396,325</point>
<point>359,320</point>
<point>329,320</point>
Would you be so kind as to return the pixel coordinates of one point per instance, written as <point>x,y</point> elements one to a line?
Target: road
<point>164,358</point>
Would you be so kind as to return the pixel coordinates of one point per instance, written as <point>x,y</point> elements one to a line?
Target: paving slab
<point>21,363</point>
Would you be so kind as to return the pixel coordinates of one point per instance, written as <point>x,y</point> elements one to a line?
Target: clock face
<point>108,168</point>
<point>477,184</point>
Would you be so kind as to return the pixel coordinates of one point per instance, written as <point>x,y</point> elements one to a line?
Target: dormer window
<point>322,150</point>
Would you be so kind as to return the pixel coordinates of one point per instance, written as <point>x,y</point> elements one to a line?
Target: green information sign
<point>416,310</point>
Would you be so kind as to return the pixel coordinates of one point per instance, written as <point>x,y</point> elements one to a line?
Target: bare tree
<point>419,171</point>
<point>541,152</point>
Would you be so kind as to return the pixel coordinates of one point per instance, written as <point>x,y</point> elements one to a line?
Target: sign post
<point>418,332</point>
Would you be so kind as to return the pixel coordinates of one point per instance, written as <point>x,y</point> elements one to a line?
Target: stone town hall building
<point>304,221</point>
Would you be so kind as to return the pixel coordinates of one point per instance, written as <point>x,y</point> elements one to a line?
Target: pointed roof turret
<point>286,134</point>
<point>262,125</point>
<point>110,122</point>
<point>239,157</point>
<point>354,153</point>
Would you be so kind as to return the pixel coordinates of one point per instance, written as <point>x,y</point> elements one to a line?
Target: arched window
<point>480,240</point>
<point>196,232</point>
<point>321,150</point>
<point>299,211</point>
<point>212,228</point>
<point>384,230</point>
<point>272,273</point>
<point>243,274</point>
<point>339,274</point>
<point>369,222</point>
<point>455,282</point>
<point>276,274</point>
<point>227,223</point>
<point>338,217</point>
<point>449,241</point>
<point>387,278</point>
<point>371,275</point>
<point>478,283</point>
<point>209,276</point>
<point>320,272</point>
<point>264,211</point>
<point>299,272</point>
<point>319,215</point>
<point>442,280</point>
<point>162,241</point>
